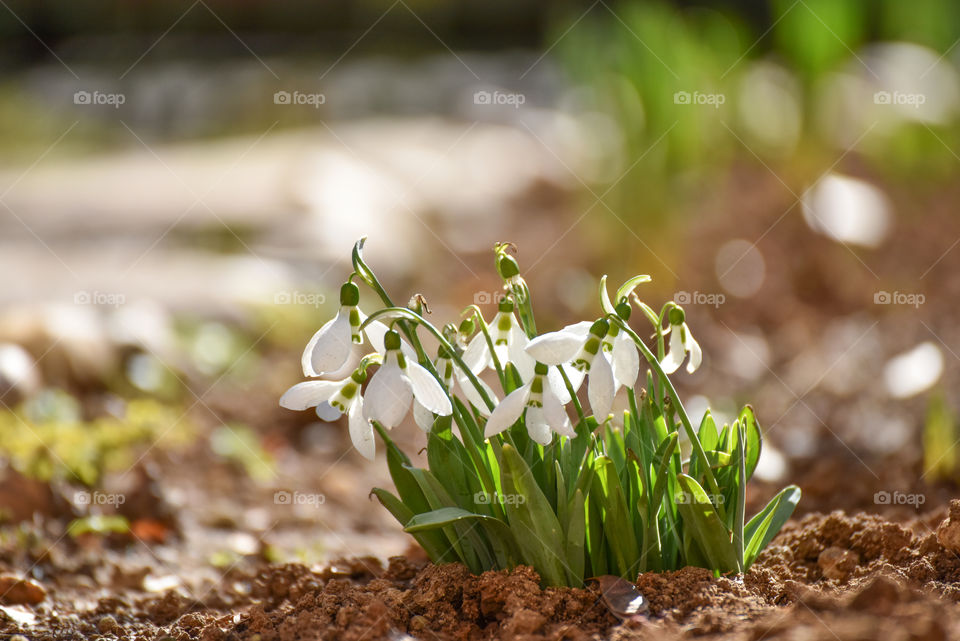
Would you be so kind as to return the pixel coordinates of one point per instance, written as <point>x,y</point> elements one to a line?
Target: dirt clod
<point>948,534</point>
<point>15,591</point>
<point>837,563</point>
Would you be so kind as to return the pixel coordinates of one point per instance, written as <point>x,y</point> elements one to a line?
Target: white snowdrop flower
<point>397,383</point>
<point>337,347</point>
<point>624,356</point>
<point>452,376</point>
<point>333,398</point>
<point>545,413</point>
<point>681,344</point>
<point>509,344</point>
<point>580,345</point>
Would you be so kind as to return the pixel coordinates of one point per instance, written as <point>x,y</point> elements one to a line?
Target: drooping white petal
<point>477,354</point>
<point>601,387</point>
<point>507,411</point>
<point>356,353</point>
<point>329,348</point>
<point>427,390</point>
<point>554,348</point>
<point>518,355</point>
<point>557,386</point>
<point>375,331</point>
<point>580,329</point>
<point>309,394</point>
<point>626,360</point>
<point>361,432</point>
<point>473,396</point>
<point>676,353</point>
<point>696,354</point>
<point>555,414</point>
<point>537,426</point>
<point>388,395</point>
<point>422,416</point>
<point>327,412</point>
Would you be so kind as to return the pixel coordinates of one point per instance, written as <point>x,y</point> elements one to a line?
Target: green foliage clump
<point>47,438</point>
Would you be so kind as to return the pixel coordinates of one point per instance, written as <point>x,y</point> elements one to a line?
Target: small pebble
<point>418,623</point>
<point>107,624</point>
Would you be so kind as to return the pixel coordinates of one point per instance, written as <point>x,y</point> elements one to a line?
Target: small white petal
<point>555,414</point>
<point>422,416</point>
<point>306,360</point>
<point>428,390</point>
<point>518,355</point>
<point>537,426</point>
<point>375,332</point>
<point>388,395</point>
<point>556,384</point>
<point>580,329</point>
<point>508,411</point>
<point>309,394</point>
<point>361,432</point>
<point>675,355</point>
<point>327,412</point>
<point>503,353</point>
<point>356,353</point>
<point>696,355</point>
<point>329,348</point>
<point>473,396</point>
<point>626,360</point>
<point>601,387</point>
<point>576,377</point>
<point>477,354</point>
<point>554,348</point>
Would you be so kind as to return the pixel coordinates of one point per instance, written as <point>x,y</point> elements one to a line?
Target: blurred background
<point>181,184</point>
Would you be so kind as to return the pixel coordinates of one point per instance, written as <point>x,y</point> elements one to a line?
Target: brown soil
<point>825,576</point>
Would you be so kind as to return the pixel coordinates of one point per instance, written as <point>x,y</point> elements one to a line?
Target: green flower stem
<point>661,347</point>
<point>366,274</point>
<point>675,400</point>
<point>573,394</point>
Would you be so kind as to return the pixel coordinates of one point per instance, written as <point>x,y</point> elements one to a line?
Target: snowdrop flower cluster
<point>503,411</point>
<point>551,367</point>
